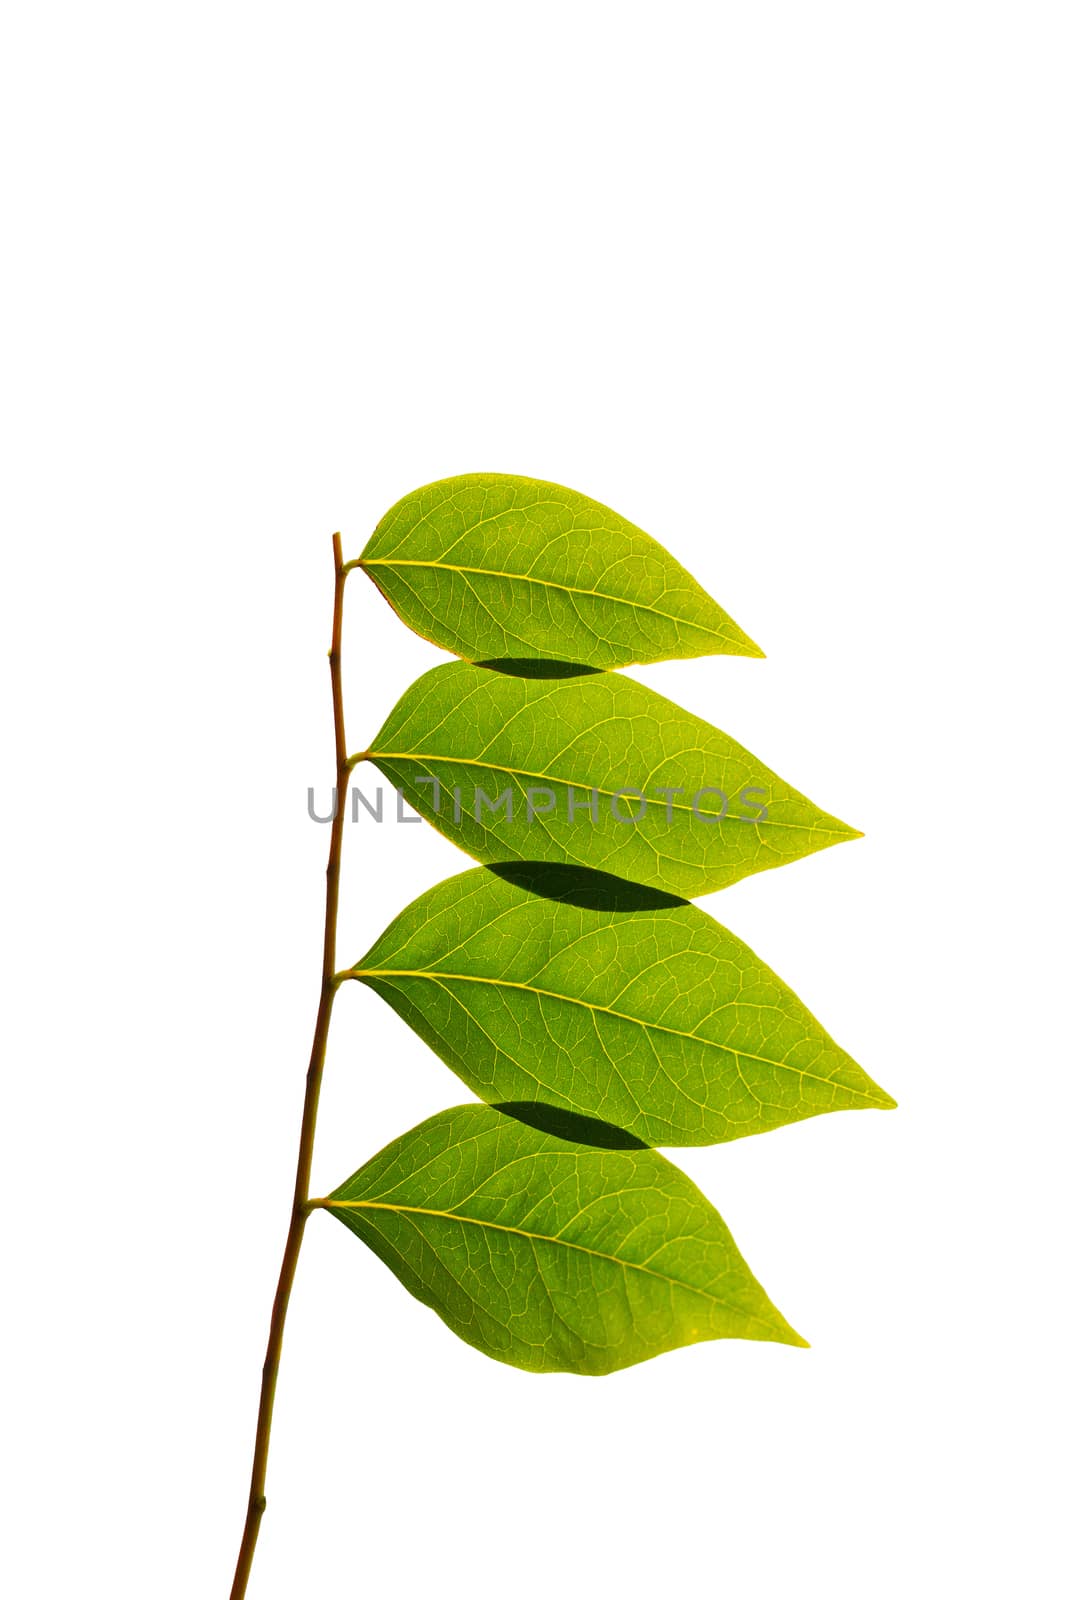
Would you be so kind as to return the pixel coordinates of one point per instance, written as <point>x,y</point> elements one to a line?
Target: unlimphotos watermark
<point>565,801</point>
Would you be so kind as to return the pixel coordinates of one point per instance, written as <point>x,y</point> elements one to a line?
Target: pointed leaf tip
<point>553,1255</point>
<point>647,1015</point>
<point>496,567</point>
<point>539,769</point>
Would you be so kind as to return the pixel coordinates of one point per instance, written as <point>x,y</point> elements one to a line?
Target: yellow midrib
<point>843,832</point>
<point>548,583</point>
<point>541,1238</point>
<point>621,1016</point>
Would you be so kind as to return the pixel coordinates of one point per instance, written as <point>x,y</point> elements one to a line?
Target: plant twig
<point>257,1501</point>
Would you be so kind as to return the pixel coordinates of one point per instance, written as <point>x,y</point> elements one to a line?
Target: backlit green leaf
<point>585,995</point>
<point>551,1254</point>
<point>495,567</point>
<point>701,811</point>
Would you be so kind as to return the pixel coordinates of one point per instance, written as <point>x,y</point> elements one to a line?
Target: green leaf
<point>495,567</point>
<point>464,739</point>
<point>551,1254</point>
<point>654,1018</point>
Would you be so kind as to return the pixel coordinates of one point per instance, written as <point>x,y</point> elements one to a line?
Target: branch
<point>257,1501</point>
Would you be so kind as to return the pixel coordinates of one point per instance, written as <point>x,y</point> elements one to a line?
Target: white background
<point>783,284</point>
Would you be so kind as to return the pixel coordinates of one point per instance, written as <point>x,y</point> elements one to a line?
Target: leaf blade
<point>549,1254</point>
<point>576,742</point>
<point>502,568</point>
<point>658,1020</point>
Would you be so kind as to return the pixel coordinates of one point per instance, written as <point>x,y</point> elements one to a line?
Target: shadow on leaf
<point>571,1125</point>
<point>583,886</point>
<point>534,667</point>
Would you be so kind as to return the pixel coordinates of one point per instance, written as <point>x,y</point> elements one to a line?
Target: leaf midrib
<point>622,1016</point>
<point>548,583</point>
<point>542,1238</point>
<point>425,756</point>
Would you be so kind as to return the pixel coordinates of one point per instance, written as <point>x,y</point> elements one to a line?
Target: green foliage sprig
<point>567,981</point>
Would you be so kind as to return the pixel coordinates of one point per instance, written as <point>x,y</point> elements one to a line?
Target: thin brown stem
<point>257,1501</point>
